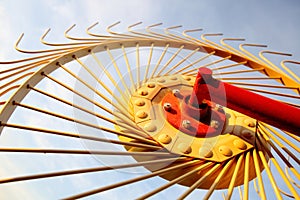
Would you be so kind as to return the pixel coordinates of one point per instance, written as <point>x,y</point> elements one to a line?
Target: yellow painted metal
<point>213,172</point>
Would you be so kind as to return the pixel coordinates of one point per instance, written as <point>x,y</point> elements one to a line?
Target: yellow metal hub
<point>237,136</point>
<point>149,116</point>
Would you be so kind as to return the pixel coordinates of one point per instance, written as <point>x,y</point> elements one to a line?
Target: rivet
<point>215,124</point>
<point>185,148</point>
<point>161,80</point>
<point>164,138</point>
<point>226,151</point>
<point>186,124</point>
<point>143,92</point>
<point>240,144</point>
<point>167,106</point>
<point>250,123</point>
<point>247,134</point>
<point>206,152</point>
<point>176,92</point>
<point>151,85</point>
<point>174,78</point>
<point>150,127</point>
<point>139,102</point>
<point>141,114</point>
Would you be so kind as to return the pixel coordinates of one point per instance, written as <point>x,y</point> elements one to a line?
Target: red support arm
<point>264,109</point>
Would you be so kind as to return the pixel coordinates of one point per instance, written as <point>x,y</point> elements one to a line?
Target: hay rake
<point>150,113</point>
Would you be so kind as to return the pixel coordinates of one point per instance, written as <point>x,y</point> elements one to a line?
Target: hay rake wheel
<point>90,110</point>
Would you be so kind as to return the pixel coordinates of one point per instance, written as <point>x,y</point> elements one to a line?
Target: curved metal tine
<point>282,63</point>
<point>161,36</point>
<point>15,80</point>
<point>46,56</point>
<point>192,38</point>
<point>42,39</point>
<point>230,47</point>
<point>289,176</point>
<point>66,33</point>
<point>104,37</point>
<point>250,55</point>
<point>129,28</point>
<point>108,29</point>
<point>9,89</point>
<point>261,54</point>
<point>37,51</point>
<point>167,31</point>
<point>211,43</point>
<point>40,62</point>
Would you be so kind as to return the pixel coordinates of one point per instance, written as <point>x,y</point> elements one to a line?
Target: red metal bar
<point>275,113</point>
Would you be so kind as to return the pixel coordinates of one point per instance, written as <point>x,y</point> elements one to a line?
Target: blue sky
<point>274,22</point>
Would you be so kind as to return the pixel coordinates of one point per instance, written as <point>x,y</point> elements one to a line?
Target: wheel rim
<point>97,111</point>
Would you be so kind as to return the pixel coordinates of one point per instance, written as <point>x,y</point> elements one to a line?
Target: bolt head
<point>164,138</point>
<point>151,85</point>
<point>215,124</point>
<point>226,151</point>
<point>139,102</point>
<point>185,148</point>
<point>176,92</point>
<point>167,106</point>
<point>240,144</point>
<point>250,123</point>
<point>150,127</point>
<point>143,92</point>
<point>161,80</point>
<point>141,114</point>
<point>186,124</point>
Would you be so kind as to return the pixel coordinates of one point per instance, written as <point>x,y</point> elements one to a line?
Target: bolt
<point>141,114</point>
<point>215,124</point>
<point>161,80</point>
<point>143,92</point>
<point>150,127</point>
<point>250,123</point>
<point>226,151</point>
<point>151,85</point>
<point>174,78</point>
<point>185,148</point>
<point>139,102</point>
<point>176,92</point>
<point>164,138</point>
<point>186,124</point>
<point>167,106</point>
<point>206,151</point>
<point>240,144</point>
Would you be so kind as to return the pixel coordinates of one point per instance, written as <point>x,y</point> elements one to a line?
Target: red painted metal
<point>275,113</point>
<point>199,117</point>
